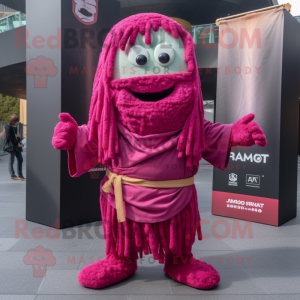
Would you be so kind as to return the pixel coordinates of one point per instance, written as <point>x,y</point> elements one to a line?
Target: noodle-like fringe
<point>130,238</point>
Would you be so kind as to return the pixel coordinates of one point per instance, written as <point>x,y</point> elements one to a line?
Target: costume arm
<point>217,144</point>
<point>84,156</point>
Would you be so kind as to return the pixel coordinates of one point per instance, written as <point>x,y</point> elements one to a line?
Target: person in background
<point>13,135</point>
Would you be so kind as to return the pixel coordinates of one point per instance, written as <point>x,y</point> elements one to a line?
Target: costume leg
<point>170,242</point>
<point>182,266</point>
<point>120,261</point>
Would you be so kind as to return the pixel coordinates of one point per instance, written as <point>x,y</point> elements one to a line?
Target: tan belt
<point>118,180</point>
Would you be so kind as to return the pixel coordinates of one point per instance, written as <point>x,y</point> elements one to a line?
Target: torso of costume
<point>151,157</point>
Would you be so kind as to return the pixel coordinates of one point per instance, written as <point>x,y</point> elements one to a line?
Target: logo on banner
<point>233,179</point>
<point>86,11</point>
<point>257,158</point>
<point>253,180</point>
<point>245,205</point>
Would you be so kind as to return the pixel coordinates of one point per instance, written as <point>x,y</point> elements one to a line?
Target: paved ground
<point>265,267</point>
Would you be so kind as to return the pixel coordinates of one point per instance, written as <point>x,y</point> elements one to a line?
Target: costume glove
<point>247,133</point>
<point>64,136</point>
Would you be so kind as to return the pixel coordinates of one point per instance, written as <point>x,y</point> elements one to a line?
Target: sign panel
<point>251,73</point>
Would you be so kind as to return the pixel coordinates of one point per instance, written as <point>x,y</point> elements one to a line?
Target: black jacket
<point>11,133</point>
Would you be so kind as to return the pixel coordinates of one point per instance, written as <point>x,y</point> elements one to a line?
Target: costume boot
<point>106,272</point>
<point>190,271</point>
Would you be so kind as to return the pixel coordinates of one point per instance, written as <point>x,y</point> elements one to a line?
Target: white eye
<point>164,54</point>
<point>138,56</point>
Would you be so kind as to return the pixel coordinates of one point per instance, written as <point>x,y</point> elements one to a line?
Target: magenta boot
<point>106,272</point>
<point>192,272</point>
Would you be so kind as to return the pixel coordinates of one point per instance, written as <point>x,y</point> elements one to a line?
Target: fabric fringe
<point>130,238</point>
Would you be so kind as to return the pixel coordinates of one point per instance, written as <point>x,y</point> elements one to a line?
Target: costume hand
<point>247,133</point>
<point>64,136</point>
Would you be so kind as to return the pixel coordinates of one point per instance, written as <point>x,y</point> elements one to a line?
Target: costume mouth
<point>153,97</point>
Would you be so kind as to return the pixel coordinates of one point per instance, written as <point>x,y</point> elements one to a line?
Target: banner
<point>250,80</point>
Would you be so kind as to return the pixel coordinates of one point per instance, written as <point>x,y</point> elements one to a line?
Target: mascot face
<point>165,55</point>
<point>147,81</point>
<point>158,61</point>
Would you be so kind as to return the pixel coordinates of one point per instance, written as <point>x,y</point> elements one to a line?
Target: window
<point>23,20</point>
<point>209,32</point>
<point>3,25</point>
<point>12,21</point>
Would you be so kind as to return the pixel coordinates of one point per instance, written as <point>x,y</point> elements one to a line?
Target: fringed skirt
<point>131,239</point>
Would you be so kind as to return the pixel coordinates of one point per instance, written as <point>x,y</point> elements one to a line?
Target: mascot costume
<point>146,125</point>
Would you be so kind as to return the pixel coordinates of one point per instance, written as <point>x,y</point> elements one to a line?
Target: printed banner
<point>249,81</point>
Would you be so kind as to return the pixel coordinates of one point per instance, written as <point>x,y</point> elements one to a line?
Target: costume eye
<point>164,54</point>
<point>138,56</point>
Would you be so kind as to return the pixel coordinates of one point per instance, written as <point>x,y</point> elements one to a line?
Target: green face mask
<point>165,55</point>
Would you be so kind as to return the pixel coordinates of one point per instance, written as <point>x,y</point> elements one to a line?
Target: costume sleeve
<point>217,144</point>
<point>84,156</point>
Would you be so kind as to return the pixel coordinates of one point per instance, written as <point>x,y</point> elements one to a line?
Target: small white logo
<point>253,180</point>
<point>233,179</point>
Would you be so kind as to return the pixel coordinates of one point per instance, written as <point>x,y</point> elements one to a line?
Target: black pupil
<point>141,60</point>
<point>164,58</point>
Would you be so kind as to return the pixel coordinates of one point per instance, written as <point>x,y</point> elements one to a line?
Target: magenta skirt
<point>130,238</point>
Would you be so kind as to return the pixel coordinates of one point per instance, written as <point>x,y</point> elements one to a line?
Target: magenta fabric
<point>145,118</point>
<point>84,156</point>
<point>151,157</point>
<point>64,136</point>
<point>193,272</point>
<point>174,236</point>
<point>106,272</point>
<point>245,132</point>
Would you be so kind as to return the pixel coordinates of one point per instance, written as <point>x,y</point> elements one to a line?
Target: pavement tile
<point>144,281</point>
<point>7,243</point>
<point>19,282</point>
<point>17,297</point>
<point>276,280</point>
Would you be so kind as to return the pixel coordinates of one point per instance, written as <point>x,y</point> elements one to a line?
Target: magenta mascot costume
<point>146,124</point>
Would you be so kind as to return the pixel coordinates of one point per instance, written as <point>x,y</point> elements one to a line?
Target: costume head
<point>147,78</point>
